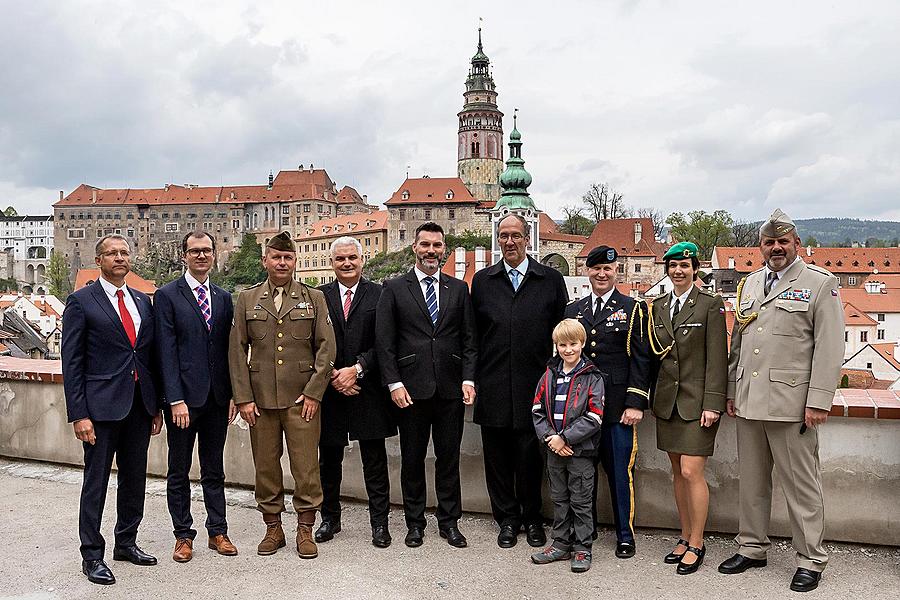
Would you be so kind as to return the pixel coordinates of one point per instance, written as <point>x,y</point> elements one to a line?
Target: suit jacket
<point>514,339</point>
<point>428,359</point>
<point>693,375</point>
<point>367,415</point>
<point>193,359</point>
<point>291,351</point>
<point>618,345</point>
<point>98,360</point>
<point>788,358</point>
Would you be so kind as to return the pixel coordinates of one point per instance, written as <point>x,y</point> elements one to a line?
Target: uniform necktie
<point>770,281</point>
<point>598,307</point>
<point>431,299</point>
<point>676,308</point>
<point>127,321</point>
<point>279,298</point>
<point>514,278</point>
<point>348,299</point>
<point>203,301</point>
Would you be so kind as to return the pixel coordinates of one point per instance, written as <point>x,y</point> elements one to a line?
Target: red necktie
<point>127,322</point>
<point>348,299</point>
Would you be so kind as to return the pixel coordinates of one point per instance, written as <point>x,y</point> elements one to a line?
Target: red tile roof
<point>619,234</point>
<point>836,260</point>
<point>549,230</point>
<point>132,280</point>
<point>348,195</point>
<point>887,301</point>
<point>855,317</point>
<point>355,224</point>
<point>431,190</point>
<point>886,350</point>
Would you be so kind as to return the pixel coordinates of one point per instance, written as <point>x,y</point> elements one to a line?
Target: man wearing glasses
<point>193,323</point>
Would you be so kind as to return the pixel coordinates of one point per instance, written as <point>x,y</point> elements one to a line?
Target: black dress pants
<point>441,420</point>
<point>209,427</point>
<point>513,469</point>
<point>126,440</point>
<point>375,473</point>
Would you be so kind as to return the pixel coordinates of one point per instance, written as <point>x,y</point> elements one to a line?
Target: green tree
<point>311,281</point>
<point>811,241</point>
<point>575,223</point>
<point>10,212</point>
<point>244,266</point>
<point>161,264</point>
<point>9,285</point>
<point>57,276</point>
<point>707,230</point>
<point>468,240</point>
<point>388,264</point>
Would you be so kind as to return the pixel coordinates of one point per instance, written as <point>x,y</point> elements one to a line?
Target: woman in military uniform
<point>688,339</point>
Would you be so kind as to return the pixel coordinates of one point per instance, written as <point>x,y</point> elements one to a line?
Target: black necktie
<point>676,308</point>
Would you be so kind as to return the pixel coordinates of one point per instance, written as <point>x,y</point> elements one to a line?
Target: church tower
<point>480,142</point>
<point>515,199</point>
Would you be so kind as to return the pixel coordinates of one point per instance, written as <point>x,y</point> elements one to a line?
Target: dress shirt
<point>778,274</point>
<point>682,300</point>
<point>343,289</point>
<point>194,284</point>
<point>522,269</point>
<point>603,300</point>
<point>111,290</point>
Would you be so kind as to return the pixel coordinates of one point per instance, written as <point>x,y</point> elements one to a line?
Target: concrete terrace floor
<point>40,560</point>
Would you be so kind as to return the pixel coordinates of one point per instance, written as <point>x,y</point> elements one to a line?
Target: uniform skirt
<point>685,437</point>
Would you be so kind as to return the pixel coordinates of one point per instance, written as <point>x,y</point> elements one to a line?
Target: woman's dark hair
<point>695,264</point>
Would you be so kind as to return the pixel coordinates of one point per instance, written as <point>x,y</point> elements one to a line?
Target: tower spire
<point>515,179</point>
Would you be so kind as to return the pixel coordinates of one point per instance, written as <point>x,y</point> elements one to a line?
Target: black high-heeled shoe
<point>671,558</point>
<point>686,569</point>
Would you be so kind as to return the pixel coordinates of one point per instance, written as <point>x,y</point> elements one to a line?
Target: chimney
<point>311,167</point>
<point>459,260</point>
<point>809,251</point>
<point>731,262</point>
<point>94,196</point>
<point>637,232</point>
<point>271,180</point>
<point>365,198</point>
<point>300,168</point>
<point>480,258</point>
<point>60,194</point>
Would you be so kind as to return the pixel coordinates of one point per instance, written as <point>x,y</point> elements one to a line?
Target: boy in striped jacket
<point>567,413</point>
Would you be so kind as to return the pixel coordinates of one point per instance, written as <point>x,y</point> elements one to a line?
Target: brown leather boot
<point>274,538</point>
<point>306,546</point>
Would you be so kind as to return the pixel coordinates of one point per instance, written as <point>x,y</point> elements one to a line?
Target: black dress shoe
<point>97,572</point>
<point>686,569</point>
<point>508,536</point>
<point>624,549</point>
<point>454,537</point>
<point>740,563</point>
<point>134,555</point>
<point>805,580</point>
<point>381,537</point>
<point>534,533</point>
<point>671,558</point>
<point>327,529</point>
<point>414,537</point>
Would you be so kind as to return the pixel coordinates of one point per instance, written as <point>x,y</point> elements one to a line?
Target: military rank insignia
<point>620,316</point>
<point>795,294</point>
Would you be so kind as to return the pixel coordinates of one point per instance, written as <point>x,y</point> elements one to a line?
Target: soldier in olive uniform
<point>787,347</point>
<point>281,355</point>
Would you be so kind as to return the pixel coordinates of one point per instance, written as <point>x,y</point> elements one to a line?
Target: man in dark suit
<point>111,400</point>
<point>426,349</point>
<point>617,344</point>
<point>517,303</point>
<point>193,322</point>
<point>356,402</point>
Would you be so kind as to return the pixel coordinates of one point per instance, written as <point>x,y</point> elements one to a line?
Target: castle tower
<point>515,198</point>
<point>480,140</point>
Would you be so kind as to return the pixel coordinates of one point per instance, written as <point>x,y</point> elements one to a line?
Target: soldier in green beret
<point>688,339</point>
<point>281,354</point>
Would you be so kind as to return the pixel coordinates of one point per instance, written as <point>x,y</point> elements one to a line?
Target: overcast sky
<point>679,105</point>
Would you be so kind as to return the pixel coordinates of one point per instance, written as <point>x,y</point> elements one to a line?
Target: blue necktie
<point>514,277</point>
<point>431,299</point>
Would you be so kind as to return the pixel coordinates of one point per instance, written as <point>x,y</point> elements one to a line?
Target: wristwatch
<point>359,371</point>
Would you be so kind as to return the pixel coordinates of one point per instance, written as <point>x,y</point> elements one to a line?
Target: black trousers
<point>209,427</point>
<point>441,420</point>
<point>126,440</point>
<point>513,468</point>
<point>375,473</point>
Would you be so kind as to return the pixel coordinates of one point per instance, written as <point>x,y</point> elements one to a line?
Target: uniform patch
<point>619,315</point>
<point>801,295</point>
<point>834,292</point>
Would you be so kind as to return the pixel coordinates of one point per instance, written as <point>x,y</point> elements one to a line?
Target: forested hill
<point>833,231</point>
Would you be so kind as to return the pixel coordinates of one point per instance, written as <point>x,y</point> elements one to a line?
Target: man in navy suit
<point>111,401</point>
<point>193,322</point>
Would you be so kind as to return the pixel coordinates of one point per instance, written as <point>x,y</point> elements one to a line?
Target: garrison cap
<point>777,225</point>
<point>601,255</point>
<point>681,250</point>
<point>282,243</point>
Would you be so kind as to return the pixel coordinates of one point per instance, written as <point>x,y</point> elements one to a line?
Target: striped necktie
<point>203,301</point>
<point>348,300</point>
<point>770,282</point>
<point>431,299</point>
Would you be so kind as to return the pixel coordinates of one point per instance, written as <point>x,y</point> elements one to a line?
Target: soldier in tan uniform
<point>787,348</point>
<point>281,355</point>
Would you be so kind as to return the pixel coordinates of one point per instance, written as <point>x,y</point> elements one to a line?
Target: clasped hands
<point>559,446</point>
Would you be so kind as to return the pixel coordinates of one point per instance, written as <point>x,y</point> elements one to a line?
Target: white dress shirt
<point>682,300</point>
<point>111,290</point>
<point>603,300</point>
<point>522,268</point>
<point>343,289</point>
<point>194,284</point>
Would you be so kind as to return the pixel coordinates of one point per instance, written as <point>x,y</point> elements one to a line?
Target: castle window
<point>449,195</point>
<point>427,214</point>
<point>451,213</point>
<point>405,195</point>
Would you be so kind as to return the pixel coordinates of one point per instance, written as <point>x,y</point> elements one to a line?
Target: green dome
<point>515,179</point>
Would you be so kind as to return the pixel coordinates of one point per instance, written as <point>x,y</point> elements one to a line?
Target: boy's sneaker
<point>550,554</point>
<point>581,562</point>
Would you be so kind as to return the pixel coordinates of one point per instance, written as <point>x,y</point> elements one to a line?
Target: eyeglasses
<point>516,237</point>
<point>116,253</point>
<point>195,252</point>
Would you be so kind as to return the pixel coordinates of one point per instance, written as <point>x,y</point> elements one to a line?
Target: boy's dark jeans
<point>571,486</point>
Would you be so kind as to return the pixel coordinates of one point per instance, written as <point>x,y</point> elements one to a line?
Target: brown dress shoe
<point>306,546</point>
<point>184,550</point>
<point>222,545</point>
<point>274,538</point>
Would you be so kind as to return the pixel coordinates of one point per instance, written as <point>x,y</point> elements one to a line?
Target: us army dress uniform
<point>617,344</point>
<point>786,353</point>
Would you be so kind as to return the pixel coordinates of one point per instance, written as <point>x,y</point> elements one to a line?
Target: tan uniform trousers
<point>762,444</point>
<point>273,427</point>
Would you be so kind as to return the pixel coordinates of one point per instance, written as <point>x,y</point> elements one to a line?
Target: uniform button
<point>280,321</point>
<point>759,328</point>
<point>281,362</point>
<point>254,315</point>
<point>762,308</point>
<point>593,344</point>
<point>280,348</point>
<point>593,355</point>
<point>593,332</point>
<point>755,373</point>
<point>756,351</point>
<point>793,381</point>
<point>281,335</point>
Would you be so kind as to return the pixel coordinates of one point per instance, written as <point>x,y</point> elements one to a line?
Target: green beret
<point>682,250</point>
<point>282,243</point>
